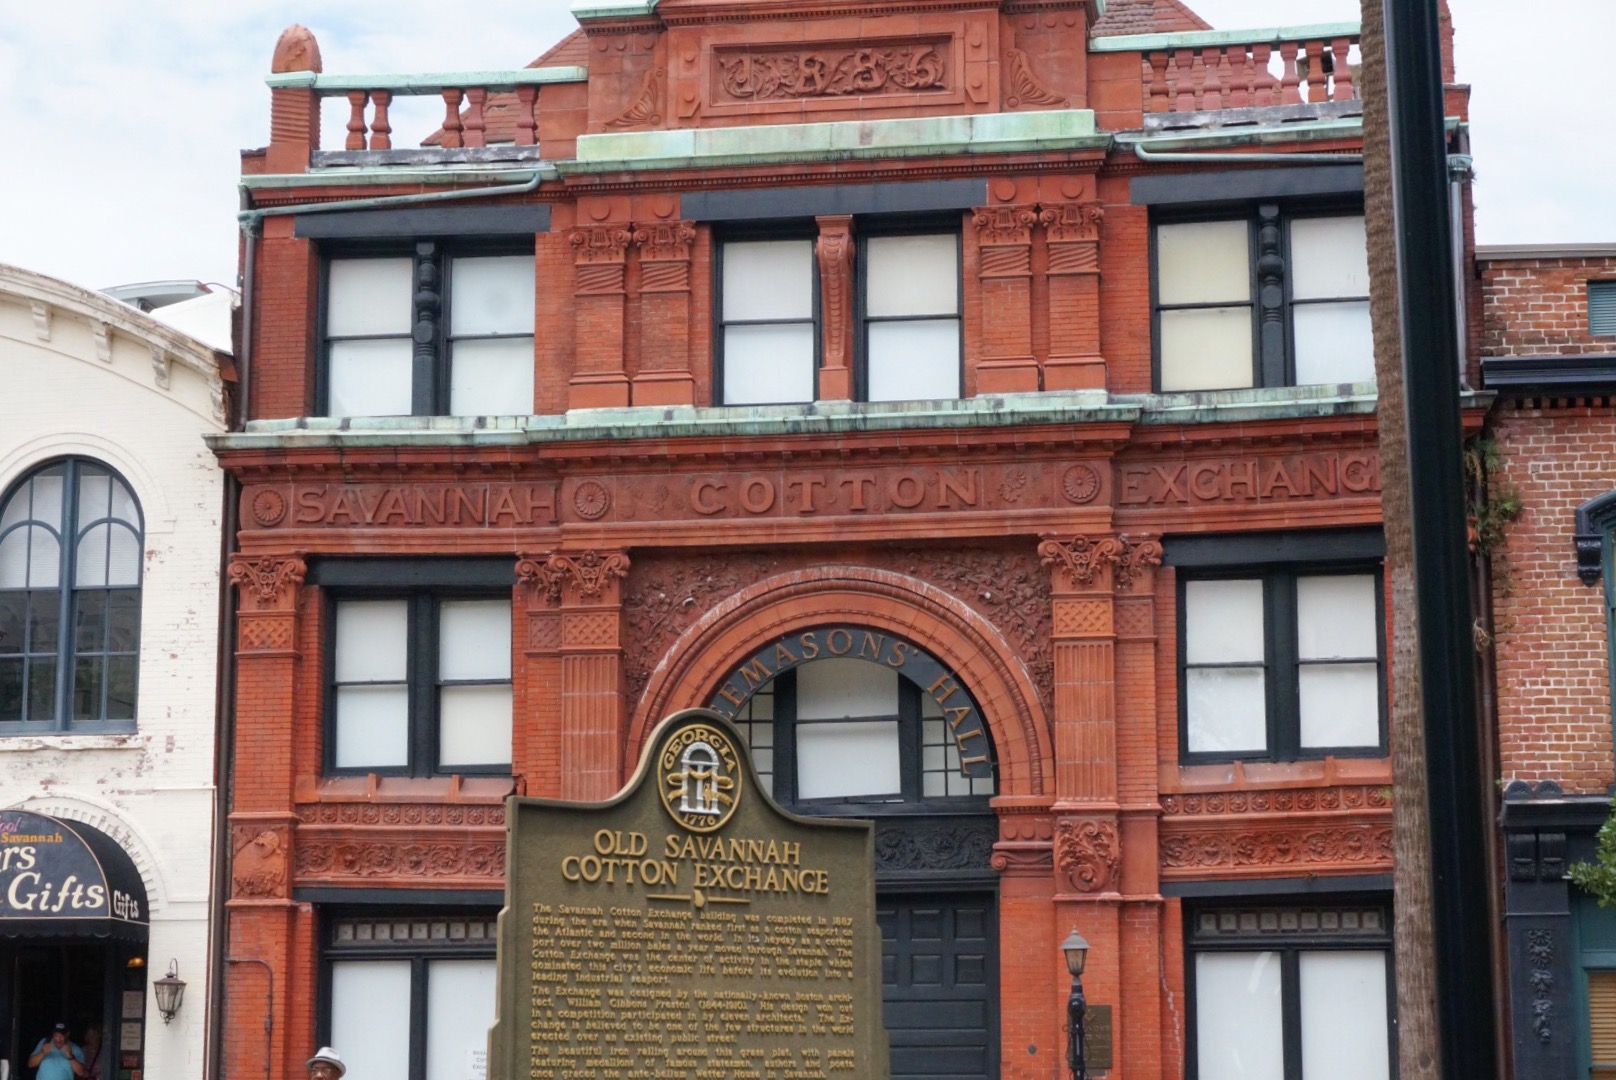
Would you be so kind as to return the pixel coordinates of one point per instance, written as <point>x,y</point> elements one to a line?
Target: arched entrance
<point>73,932</point>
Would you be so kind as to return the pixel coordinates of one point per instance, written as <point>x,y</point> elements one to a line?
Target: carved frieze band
<point>1290,800</point>
<point>832,71</point>
<point>1088,854</point>
<point>582,576</point>
<point>937,844</point>
<point>402,842</point>
<point>267,583</point>
<point>1312,845</point>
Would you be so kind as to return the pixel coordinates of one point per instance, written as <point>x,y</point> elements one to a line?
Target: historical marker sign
<point>688,928</point>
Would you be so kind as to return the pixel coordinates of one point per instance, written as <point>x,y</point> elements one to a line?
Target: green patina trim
<point>822,418</point>
<point>986,133</point>
<point>472,176</point>
<point>428,83</point>
<point>1209,38</point>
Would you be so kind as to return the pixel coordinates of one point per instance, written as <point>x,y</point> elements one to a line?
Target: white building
<point>110,517</point>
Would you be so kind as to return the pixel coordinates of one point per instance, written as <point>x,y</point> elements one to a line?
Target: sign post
<point>687,928</point>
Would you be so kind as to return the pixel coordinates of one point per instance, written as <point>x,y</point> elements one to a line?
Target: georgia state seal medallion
<point>699,777</point>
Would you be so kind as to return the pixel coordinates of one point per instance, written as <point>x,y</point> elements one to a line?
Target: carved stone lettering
<point>1252,480</point>
<point>832,70</point>
<point>392,506</point>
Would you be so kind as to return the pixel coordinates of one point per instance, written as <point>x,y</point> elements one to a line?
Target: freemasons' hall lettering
<point>689,931</point>
<point>876,647</point>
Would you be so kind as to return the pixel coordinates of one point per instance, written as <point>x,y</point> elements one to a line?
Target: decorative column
<point>664,377</point>
<point>1004,242</point>
<point>600,255</point>
<point>587,587</point>
<point>1072,235</point>
<point>835,251</point>
<point>262,917</point>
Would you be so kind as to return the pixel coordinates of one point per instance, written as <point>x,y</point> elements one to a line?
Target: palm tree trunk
<point>1413,941</point>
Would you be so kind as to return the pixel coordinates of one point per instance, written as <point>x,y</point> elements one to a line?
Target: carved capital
<point>1082,559</point>
<point>258,866</point>
<point>1072,223</point>
<point>583,576</point>
<point>664,241</point>
<point>1088,854</point>
<point>1004,225</point>
<point>267,583</point>
<point>1137,562</point>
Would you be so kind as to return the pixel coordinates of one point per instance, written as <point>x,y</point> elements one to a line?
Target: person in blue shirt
<point>58,1057</point>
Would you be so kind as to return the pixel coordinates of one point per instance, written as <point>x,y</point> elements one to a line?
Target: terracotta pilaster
<point>665,376</point>
<point>1072,236</point>
<point>1084,639</point>
<point>835,251</point>
<point>587,587</point>
<point>1004,243</point>
<point>536,755</point>
<point>600,254</point>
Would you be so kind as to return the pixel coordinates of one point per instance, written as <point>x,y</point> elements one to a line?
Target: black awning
<point>66,879</point>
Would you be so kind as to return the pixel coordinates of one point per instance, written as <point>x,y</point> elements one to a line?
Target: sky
<point>121,121</point>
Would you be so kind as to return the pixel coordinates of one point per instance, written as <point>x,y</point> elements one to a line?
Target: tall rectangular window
<point>911,307</point>
<point>429,334</point>
<point>1277,298</point>
<point>770,331</point>
<point>421,684</point>
<point>411,996</point>
<point>1281,664</point>
<point>1291,993</point>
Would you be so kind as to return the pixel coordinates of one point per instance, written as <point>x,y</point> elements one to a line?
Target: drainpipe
<point>223,773</point>
<point>1459,170</point>
<point>1196,156</point>
<point>250,219</point>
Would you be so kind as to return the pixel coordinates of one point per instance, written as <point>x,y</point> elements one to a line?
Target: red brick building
<point>732,350</point>
<point>1549,352</point>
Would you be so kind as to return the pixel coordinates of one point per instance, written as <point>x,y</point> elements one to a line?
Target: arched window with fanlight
<point>70,572</point>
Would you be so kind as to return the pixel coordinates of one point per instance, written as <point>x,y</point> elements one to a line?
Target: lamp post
<point>1076,949</point>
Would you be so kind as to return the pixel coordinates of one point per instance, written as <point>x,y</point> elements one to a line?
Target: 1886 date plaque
<point>687,929</point>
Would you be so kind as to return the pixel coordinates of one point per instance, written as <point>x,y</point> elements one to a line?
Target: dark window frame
<point>911,799</point>
<point>754,232</point>
<point>418,956</point>
<point>1288,947</point>
<point>66,653</point>
<point>1600,300</point>
<point>423,584</point>
<point>1272,366</point>
<point>1280,660</point>
<point>430,359</point>
<point>864,227</point>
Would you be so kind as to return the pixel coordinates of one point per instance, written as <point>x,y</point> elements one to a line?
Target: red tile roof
<point>1147,17</point>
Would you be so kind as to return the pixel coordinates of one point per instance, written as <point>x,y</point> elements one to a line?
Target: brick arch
<point>962,640</point>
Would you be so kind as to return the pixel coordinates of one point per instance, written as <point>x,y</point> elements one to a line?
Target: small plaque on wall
<point>134,1004</point>
<point>129,1036</point>
<point>1097,1036</point>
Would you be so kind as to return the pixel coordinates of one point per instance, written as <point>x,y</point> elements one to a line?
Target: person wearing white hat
<point>326,1065</point>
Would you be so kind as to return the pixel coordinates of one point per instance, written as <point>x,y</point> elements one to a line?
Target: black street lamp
<point>1076,949</point>
<point>170,991</point>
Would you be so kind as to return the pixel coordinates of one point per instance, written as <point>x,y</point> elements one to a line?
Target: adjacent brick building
<point>1549,352</point>
<point>728,326</point>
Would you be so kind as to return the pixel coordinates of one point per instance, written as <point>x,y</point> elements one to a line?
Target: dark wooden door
<point>940,984</point>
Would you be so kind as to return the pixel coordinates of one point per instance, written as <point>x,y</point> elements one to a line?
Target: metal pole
<point>1459,882</point>
<point>1076,1006</point>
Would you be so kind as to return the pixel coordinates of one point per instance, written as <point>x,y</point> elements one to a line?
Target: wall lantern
<point>1076,948</point>
<point>170,991</point>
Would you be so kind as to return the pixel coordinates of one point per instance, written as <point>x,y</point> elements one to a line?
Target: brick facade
<point>659,539</point>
